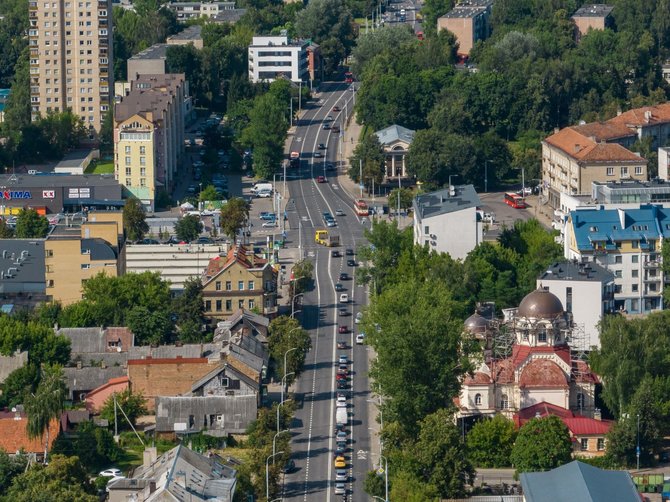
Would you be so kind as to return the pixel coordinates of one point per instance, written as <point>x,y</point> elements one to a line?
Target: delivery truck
<point>341,417</point>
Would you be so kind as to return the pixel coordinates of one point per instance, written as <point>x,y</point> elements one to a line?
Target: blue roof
<point>581,482</point>
<point>608,226</point>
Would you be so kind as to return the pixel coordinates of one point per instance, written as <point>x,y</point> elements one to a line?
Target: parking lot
<point>505,216</point>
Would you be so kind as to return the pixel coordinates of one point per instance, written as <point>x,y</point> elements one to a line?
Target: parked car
<point>341,345</point>
<point>360,339</point>
<point>359,317</point>
<point>343,329</point>
<point>349,252</point>
<point>204,240</point>
<point>269,224</point>
<point>340,376</point>
<point>341,475</point>
<point>341,435</point>
<point>339,287</point>
<point>268,216</point>
<point>340,463</point>
<point>344,276</point>
<point>351,263</point>
<point>341,384</point>
<point>343,359</point>
<point>264,194</point>
<point>341,488</point>
<point>341,402</point>
<point>112,472</point>
<point>344,298</point>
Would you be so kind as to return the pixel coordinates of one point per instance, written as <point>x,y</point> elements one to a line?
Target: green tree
<point>379,41</point>
<point>432,9</point>
<point>63,479</point>
<point>368,158</point>
<point>10,467</point>
<point>19,385</point>
<point>375,484</point>
<point>134,219</point>
<point>190,310</point>
<point>188,228</point>
<point>301,276</point>
<point>107,134</point>
<point>46,404</point>
<point>542,444</point>
<point>490,442</point>
<point>406,198</point>
<point>286,333</point>
<point>93,445</point>
<point>17,110</point>
<point>149,326</point>
<point>234,216</point>
<point>132,403</point>
<point>6,232</point>
<point>31,225</point>
<point>409,487</point>
<point>208,193</point>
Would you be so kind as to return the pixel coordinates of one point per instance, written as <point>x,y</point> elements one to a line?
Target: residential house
<point>193,10</point>
<point>241,280</point>
<point>469,20</point>
<point>178,474</point>
<point>447,221</point>
<point>395,141</point>
<point>592,17</point>
<point>578,481</point>
<point>9,364</point>
<point>627,242</point>
<point>189,36</point>
<point>96,398</point>
<point>149,61</point>
<point>71,419</point>
<point>664,163</point>
<point>587,292</point>
<point>243,323</point>
<point>88,343</point>
<point>14,434</point>
<point>81,380</point>
<point>276,56</point>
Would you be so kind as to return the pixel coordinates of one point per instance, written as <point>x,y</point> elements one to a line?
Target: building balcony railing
<point>656,278</point>
<point>649,292</point>
<point>652,264</point>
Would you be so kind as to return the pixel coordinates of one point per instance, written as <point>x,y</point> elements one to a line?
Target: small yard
<point>101,167</point>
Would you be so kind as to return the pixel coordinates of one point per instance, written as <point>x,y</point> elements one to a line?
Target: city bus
<point>515,200</point>
<point>348,77</point>
<point>360,208</point>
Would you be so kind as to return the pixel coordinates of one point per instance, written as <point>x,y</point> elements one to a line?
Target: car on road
<point>341,384</point>
<point>265,215</point>
<point>204,240</point>
<point>343,359</point>
<point>344,312</point>
<point>525,191</point>
<point>342,402</point>
<point>359,317</point>
<point>349,252</point>
<point>264,194</point>
<point>340,488</point>
<point>326,126</point>
<point>360,339</point>
<point>339,287</point>
<point>340,463</point>
<point>340,377</point>
<point>330,167</point>
<point>331,223</point>
<point>320,179</point>
<point>344,276</point>
<point>289,467</point>
<point>328,118</point>
<point>335,254</point>
<point>318,155</point>
<point>339,212</point>
<point>351,263</point>
<point>341,345</point>
<point>341,475</point>
<point>344,298</point>
<point>341,435</point>
<point>322,146</point>
<point>269,224</point>
<point>112,472</point>
<point>343,329</point>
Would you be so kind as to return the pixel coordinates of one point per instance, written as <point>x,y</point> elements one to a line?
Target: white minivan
<point>262,187</point>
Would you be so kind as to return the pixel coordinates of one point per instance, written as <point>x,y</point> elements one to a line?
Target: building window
<point>251,285</point>
<point>85,266</point>
<point>635,244</point>
<point>143,161</point>
<point>127,149</point>
<point>617,273</point>
<point>252,304</point>
<point>143,171</point>
<point>634,258</point>
<point>504,402</point>
<point>568,299</point>
<point>240,304</point>
<point>240,285</point>
<point>128,171</point>
<point>542,335</point>
<point>426,230</point>
<point>127,160</point>
<point>229,286</point>
<point>143,150</point>
<point>229,305</point>
<point>208,305</point>
<point>50,283</point>
<point>635,288</point>
<point>601,444</point>
<point>634,273</point>
<point>217,285</point>
<point>49,253</point>
<point>638,170</point>
<point>584,443</point>
<point>218,305</point>
<point>610,171</point>
<point>143,182</point>
<point>617,259</point>
<point>624,171</point>
<point>478,399</point>
<point>128,183</point>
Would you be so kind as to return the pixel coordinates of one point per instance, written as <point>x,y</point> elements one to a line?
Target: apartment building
<point>273,57</point>
<point>627,242</point>
<point>150,61</point>
<point>469,21</point>
<point>592,17</point>
<point>149,135</point>
<point>71,58</point>
<point>193,10</point>
<point>190,36</point>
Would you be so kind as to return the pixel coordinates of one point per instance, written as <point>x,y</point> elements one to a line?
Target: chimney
<point>577,147</point>
<point>149,456</point>
<point>647,116</point>
<point>597,414</point>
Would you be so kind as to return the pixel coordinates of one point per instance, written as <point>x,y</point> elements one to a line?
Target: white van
<point>262,187</point>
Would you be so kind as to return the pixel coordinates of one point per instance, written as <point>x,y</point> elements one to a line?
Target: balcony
<point>651,264</point>
<point>652,278</point>
<point>649,292</point>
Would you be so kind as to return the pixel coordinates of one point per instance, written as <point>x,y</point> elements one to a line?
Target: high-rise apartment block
<point>71,58</point>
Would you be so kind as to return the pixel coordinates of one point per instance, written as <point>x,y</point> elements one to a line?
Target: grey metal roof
<point>594,10</point>
<point>229,370</point>
<point>99,249</point>
<point>74,158</point>
<point>575,271</point>
<point>237,413</point>
<point>90,377</point>
<point>191,33</point>
<point>395,133</point>
<point>11,363</point>
<point>55,180</point>
<point>22,266</point>
<point>156,51</point>
<point>579,481</point>
<point>442,202</point>
<point>230,15</point>
<point>84,340</point>
<point>172,351</point>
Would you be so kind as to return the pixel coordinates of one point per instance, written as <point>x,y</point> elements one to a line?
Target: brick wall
<point>165,377</point>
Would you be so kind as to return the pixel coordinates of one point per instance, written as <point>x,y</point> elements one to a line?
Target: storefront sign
<point>79,193</point>
<point>48,194</point>
<point>15,194</point>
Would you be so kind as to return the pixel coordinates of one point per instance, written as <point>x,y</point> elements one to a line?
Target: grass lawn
<point>105,167</point>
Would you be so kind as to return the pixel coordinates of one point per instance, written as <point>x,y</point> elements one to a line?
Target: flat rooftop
<point>191,33</point>
<point>74,158</point>
<point>55,180</point>
<point>594,10</point>
<point>446,201</point>
<point>156,51</point>
<point>575,271</point>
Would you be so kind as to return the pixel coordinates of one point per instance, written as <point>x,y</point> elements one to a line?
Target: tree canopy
<point>31,225</point>
<point>490,442</point>
<point>286,334</point>
<point>234,216</point>
<point>542,444</point>
<point>134,219</point>
<point>188,228</point>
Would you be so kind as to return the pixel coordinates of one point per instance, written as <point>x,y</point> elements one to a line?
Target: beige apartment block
<point>469,22</point>
<point>592,17</point>
<point>71,58</point>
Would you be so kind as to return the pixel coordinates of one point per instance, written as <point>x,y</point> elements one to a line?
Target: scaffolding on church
<point>502,339</point>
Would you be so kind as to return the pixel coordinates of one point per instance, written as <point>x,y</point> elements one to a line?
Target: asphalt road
<point>313,430</point>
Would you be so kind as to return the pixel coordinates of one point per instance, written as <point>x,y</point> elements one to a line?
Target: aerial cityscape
<point>334,250</point>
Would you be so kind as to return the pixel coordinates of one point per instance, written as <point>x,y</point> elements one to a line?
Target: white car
<point>265,194</point>
<point>344,298</point>
<point>360,339</point>
<point>112,472</point>
<point>341,402</point>
<point>340,489</point>
<point>341,475</point>
<point>359,317</point>
<point>343,359</point>
<point>339,212</point>
<point>268,224</point>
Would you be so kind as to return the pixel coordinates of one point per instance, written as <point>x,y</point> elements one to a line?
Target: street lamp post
<point>486,175</point>
<point>286,354</point>
<point>282,385</point>
<point>267,475</point>
<point>274,439</point>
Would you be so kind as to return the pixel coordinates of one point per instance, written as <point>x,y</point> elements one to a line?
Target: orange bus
<point>360,207</point>
<point>515,200</point>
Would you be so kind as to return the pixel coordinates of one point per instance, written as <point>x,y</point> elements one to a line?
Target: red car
<point>340,376</point>
<point>343,329</point>
<point>320,179</point>
<point>336,108</point>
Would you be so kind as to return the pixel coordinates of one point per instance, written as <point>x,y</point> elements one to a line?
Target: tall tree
<point>6,232</point>
<point>17,111</point>
<point>285,334</point>
<point>188,228</point>
<point>190,310</point>
<point>46,404</point>
<point>368,161</point>
<point>31,225</point>
<point>542,444</point>
<point>490,442</point>
<point>132,403</point>
<point>234,216</point>
<point>134,219</point>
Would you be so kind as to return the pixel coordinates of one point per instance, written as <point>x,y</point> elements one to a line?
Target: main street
<point>313,430</point>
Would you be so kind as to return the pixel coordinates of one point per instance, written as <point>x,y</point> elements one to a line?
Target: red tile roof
<point>14,436</point>
<point>604,131</point>
<point>521,352</point>
<point>237,254</point>
<point>583,148</point>
<point>636,117</point>
<point>578,425</point>
<point>584,426</point>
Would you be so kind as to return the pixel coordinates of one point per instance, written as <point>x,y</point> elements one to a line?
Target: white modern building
<point>587,293</point>
<point>273,57</point>
<point>447,221</point>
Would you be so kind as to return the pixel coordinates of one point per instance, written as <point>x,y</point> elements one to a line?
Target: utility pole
<point>637,449</point>
<point>116,421</point>
<point>360,176</point>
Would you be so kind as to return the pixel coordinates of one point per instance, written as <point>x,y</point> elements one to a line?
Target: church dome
<point>543,373</point>
<point>540,304</point>
<point>475,324</point>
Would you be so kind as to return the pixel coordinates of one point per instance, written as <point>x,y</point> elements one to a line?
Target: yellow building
<point>134,156</point>
<point>72,255</point>
<point>241,280</point>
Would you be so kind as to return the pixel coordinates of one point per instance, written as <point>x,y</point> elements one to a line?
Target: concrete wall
<point>456,233</point>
